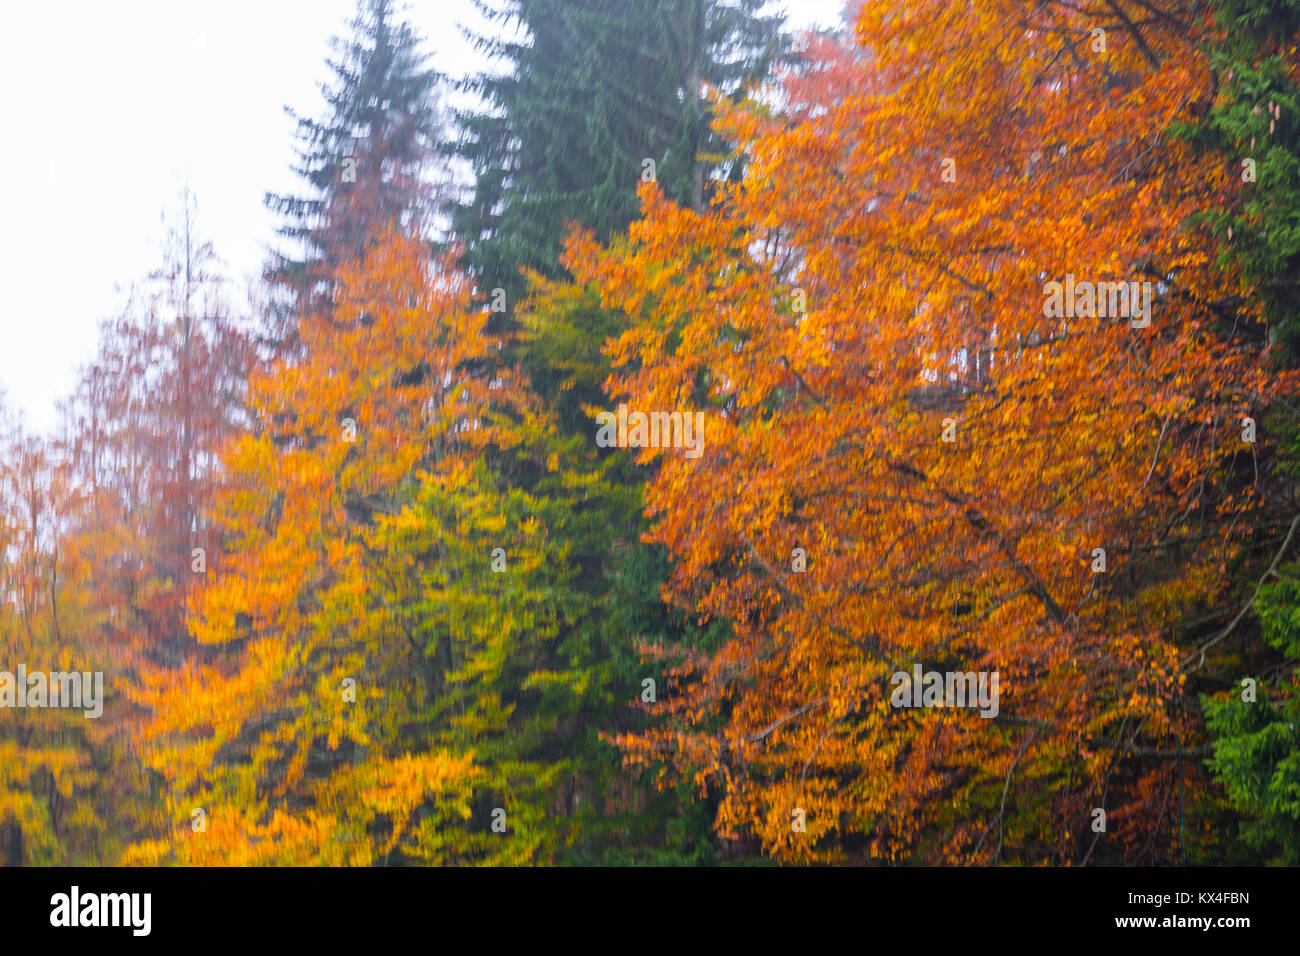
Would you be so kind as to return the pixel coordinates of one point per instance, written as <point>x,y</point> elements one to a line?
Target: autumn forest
<point>697,441</point>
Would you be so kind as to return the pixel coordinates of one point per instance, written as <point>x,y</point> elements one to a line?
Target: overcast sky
<point>109,107</point>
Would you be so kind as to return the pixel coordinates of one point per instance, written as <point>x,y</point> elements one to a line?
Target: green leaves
<point>1257,761</point>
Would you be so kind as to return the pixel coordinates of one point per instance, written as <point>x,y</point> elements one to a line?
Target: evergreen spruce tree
<point>378,138</point>
<point>1253,122</point>
<point>1257,742</point>
<point>600,96</point>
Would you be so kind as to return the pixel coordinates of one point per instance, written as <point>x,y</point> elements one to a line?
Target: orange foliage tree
<point>54,797</point>
<point>913,456</point>
<point>358,621</point>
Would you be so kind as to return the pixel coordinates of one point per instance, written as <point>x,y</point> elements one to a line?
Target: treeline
<point>366,589</point>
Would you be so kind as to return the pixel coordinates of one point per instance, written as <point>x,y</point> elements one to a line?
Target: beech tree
<point>912,458</point>
<point>349,714</point>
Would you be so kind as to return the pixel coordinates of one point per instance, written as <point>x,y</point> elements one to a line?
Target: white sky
<point>108,108</point>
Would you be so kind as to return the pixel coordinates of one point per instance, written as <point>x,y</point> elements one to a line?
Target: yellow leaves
<point>396,787</point>
<point>265,736</point>
<point>147,853</point>
<point>391,790</point>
